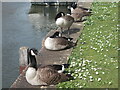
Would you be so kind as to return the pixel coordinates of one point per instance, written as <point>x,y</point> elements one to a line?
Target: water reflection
<point>43,16</point>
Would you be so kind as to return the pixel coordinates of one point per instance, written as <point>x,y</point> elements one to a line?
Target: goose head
<point>72,7</point>
<point>60,14</point>
<point>32,53</point>
<point>56,34</point>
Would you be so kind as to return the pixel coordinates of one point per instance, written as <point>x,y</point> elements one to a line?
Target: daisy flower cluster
<point>94,61</point>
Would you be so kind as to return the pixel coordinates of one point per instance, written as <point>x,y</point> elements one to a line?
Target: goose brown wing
<point>69,18</point>
<point>81,12</point>
<point>77,10</point>
<point>51,76</point>
<point>62,41</point>
<point>54,66</point>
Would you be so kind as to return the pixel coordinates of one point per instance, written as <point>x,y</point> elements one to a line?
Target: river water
<point>23,25</point>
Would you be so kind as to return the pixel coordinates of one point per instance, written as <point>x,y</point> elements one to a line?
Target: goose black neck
<point>56,34</point>
<point>74,5</point>
<point>33,62</point>
<point>69,11</point>
<point>60,14</point>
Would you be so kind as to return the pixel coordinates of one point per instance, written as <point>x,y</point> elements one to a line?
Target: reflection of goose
<point>55,42</point>
<point>44,75</point>
<point>78,12</point>
<point>64,21</point>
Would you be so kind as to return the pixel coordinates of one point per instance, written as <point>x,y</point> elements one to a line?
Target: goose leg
<point>61,32</point>
<point>69,32</point>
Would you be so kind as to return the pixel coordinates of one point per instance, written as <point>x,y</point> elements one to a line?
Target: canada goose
<point>64,21</point>
<point>74,6</point>
<point>78,12</point>
<point>46,74</point>
<point>54,42</point>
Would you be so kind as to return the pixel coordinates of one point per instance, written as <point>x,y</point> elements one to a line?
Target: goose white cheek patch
<point>32,53</point>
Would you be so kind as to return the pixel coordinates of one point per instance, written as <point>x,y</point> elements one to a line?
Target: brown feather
<point>68,18</point>
<point>61,41</point>
<point>78,13</point>
<point>50,76</point>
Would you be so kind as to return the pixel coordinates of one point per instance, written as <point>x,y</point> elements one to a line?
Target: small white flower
<point>80,86</point>
<point>72,74</point>
<point>95,48</point>
<point>95,62</point>
<point>102,49</point>
<point>104,62</point>
<point>113,19</point>
<point>105,55</point>
<point>73,58</point>
<point>95,69</point>
<point>87,73</point>
<point>99,79</point>
<point>118,25</point>
<point>103,72</point>
<point>79,70</point>
<point>80,77</point>
<point>91,80</point>
<point>91,47</point>
<point>83,68</point>
<point>98,51</point>
<point>83,64</point>
<point>97,73</point>
<point>118,49</point>
<point>69,73</point>
<point>84,75</point>
<point>74,77</point>
<point>109,44</point>
<point>117,67</point>
<point>110,83</point>
<point>91,77</point>
<point>107,50</point>
<point>84,84</point>
<point>84,78</point>
<point>80,74</point>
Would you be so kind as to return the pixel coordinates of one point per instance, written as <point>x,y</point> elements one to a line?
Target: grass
<point>94,61</point>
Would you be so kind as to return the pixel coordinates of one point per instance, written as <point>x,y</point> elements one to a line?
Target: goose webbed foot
<point>60,34</point>
<point>43,86</point>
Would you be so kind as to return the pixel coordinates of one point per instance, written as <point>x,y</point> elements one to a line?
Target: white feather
<point>32,77</point>
<point>32,53</point>
<point>49,43</point>
<point>63,68</point>
<point>60,22</point>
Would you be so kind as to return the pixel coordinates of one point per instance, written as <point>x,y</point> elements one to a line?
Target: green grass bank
<point>94,61</point>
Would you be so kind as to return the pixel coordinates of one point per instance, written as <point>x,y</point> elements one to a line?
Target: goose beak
<point>36,52</point>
